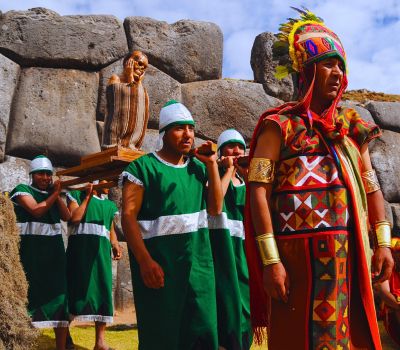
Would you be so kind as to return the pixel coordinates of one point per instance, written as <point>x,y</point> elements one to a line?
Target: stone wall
<point>53,74</point>
<point>54,70</point>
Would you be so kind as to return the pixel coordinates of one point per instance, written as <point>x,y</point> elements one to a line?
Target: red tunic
<point>314,229</point>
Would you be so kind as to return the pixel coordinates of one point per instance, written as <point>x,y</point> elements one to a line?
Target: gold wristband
<point>262,170</point>
<point>383,234</point>
<point>267,248</point>
<point>370,180</point>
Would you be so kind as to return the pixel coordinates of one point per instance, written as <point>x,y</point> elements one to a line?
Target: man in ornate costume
<point>227,242</point>
<point>310,180</point>
<point>165,200</point>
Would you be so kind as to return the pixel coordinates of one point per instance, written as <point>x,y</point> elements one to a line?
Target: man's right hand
<point>89,189</point>
<point>226,162</point>
<point>56,187</point>
<point>276,281</point>
<point>152,274</point>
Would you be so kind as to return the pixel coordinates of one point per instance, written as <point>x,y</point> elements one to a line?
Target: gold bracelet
<point>370,180</point>
<point>262,170</point>
<point>268,249</point>
<point>383,234</point>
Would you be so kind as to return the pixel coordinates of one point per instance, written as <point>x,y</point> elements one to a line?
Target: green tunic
<point>173,222</point>
<point>43,259</point>
<point>89,261</point>
<point>231,273</point>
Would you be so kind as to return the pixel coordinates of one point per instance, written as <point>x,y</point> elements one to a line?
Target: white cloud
<point>237,50</point>
<point>369,29</point>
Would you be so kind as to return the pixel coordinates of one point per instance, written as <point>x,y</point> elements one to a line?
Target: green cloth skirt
<point>89,278</point>
<point>44,263</point>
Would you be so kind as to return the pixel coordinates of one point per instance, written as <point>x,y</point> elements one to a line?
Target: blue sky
<point>369,29</point>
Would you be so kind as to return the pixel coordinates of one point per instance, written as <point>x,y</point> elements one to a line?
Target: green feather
<point>280,45</point>
<point>281,72</point>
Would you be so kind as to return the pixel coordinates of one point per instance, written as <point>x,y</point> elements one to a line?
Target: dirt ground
<point>127,316</point>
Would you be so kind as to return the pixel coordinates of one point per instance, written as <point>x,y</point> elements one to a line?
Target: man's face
<point>42,180</point>
<point>328,79</point>
<point>234,149</point>
<point>104,190</point>
<point>180,138</point>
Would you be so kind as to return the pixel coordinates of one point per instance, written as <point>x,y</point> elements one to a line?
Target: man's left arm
<point>116,248</point>
<point>215,195</point>
<point>382,262</point>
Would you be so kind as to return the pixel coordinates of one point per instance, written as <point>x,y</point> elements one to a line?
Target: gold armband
<point>262,170</point>
<point>370,180</point>
<point>383,234</point>
<point>267,248</point>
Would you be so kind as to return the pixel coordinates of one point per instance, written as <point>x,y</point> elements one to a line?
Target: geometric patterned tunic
<point>313,229</point>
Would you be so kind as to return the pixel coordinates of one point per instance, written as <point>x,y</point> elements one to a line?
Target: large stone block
<point>221,104</point>
<point>41,37</point>
<point>264,59</point>
<point>54,113</point>
<point>186,50</point>
<point>9,73</point>
<point>363,112</point>
<point>13,171</point>
<point>160,87</point>
<point>389,212</point>
<point>396,218</point>
<point>123,290</point>
<point>385,114</point>
<point>387,165</point>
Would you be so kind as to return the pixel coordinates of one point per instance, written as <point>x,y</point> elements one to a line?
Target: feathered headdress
<point>306,40</point>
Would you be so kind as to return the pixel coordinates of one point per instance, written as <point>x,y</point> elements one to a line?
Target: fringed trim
<point>129,177</point>
<point>260,335</point>
<point>170,164</point>
<point>93,318</point>
<point>16,194</point>
<point>37,190</point>
<point>72,199</point>
<point>50,324</point>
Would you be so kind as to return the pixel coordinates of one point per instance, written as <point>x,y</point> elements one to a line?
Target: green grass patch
<point>120,337</point>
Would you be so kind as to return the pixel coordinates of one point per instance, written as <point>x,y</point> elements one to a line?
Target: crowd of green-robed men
<point>186,244</point>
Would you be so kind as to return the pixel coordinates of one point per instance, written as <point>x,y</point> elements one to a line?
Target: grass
<point>121,337</point>
<point>365,95</point>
